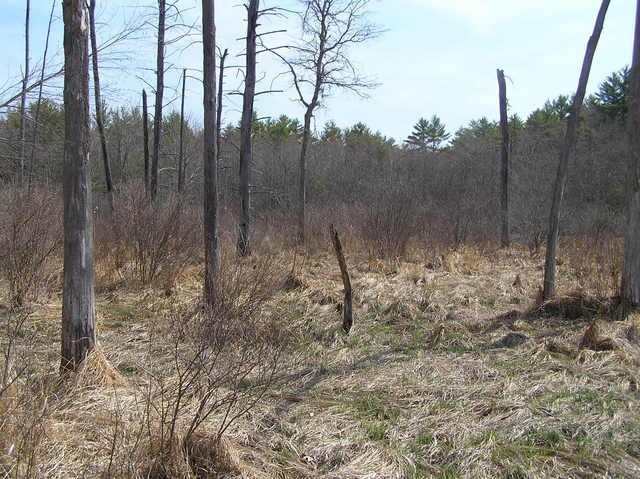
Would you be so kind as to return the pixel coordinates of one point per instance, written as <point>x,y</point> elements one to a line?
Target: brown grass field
<point>452,370</point>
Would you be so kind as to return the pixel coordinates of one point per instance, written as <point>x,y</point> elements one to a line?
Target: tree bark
<point>78,317</point>
<point>23,97</point>
<point>98,103</point>
<point>245,130</point>
<point>504,168</point>
<point>181,153</point>
<point>209,154</point>
<point>157,118</point>
<point>630,287</point>
<point>347,309</point>
<point>145,136</point>
<point>566,151</point>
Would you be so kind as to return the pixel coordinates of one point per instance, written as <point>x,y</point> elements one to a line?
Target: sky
<point>434,57</point>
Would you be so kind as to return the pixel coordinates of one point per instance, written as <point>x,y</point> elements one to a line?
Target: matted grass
<point>452,370</point>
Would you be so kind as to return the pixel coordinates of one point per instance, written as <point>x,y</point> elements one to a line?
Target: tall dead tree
<point>181,147</point>
<point>566,151</point>
<point>78,316</point>
<point>320,63</point>
<point>36,119</point>
<point>211,260</point>
<point>630,288</point>
<point>145,139</point>
<point>23,97</point>
<point>223,57</point>
<point>157,118</point>
<point>504,165</point>
<point>98,103</point>
<point>246,152</point>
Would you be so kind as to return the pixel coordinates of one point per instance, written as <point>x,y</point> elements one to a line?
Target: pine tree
<point>612,97</point>
<point>428,135</point>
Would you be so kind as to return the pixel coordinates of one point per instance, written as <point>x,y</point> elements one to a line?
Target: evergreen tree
<point>612,97</point>
<point>428,135</point>
<point>551,114</point>
<point>331,132</point>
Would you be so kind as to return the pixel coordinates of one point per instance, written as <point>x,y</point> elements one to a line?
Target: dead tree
<point>145,139</point>
<point>320,63</point>
<point>347,308</point>
<point>36,120</point>
<point>209,154</point>
<point>157,118</point>
<point>98,103</point>
<point>566,151</point>
<point>181,147</point>
<point>223,57</point>
<point>245,129</point>
<point>23,97</point>
<point>504,167</point>
<point>630,287</point>
<point>78,317</point>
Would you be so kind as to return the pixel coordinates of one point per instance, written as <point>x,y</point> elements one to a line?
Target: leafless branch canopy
<point>320,61</point>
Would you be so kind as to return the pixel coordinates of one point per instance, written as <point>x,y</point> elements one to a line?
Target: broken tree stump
<point>347,314</point>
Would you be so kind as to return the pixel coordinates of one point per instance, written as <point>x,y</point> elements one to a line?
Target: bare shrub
<point>24,405</point>
<point>207,368</point>
<point>595,263</point>
<point>149,242</point>
<point>30,236</point>
<point>388,223</point>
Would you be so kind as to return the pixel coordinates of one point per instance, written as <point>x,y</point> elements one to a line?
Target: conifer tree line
<point>449,175</point>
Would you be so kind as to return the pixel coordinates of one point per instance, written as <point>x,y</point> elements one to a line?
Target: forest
<point>193,295</point>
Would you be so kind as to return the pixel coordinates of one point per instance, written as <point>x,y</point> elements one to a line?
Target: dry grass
<point>430,382</point>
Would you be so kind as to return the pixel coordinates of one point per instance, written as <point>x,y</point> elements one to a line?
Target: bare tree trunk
<point>36,121</point>
<point>245,130</point>
<point>181,153</point>
<point>567,150</point>
<point>347,309</point>
<point>157,118</point>
<point>219,117</point>
<point>98,103</point>
<point>145,138</point>
<point>504,170</point>
<point>210,155</point>
<point>630,288</point>
<point>302,183</point>
<point>23,98</point>
<point>78,317</point>
<point>219,106</point>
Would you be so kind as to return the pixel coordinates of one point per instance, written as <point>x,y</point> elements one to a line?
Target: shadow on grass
<point>313,376</point>
<point>575,307</point>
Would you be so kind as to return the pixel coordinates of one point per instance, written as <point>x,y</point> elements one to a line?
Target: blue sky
<point>436,56</point>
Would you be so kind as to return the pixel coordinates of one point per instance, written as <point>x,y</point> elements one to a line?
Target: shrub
<point>149,242</point>
<point>207,368</point>
<point>388,223</point>
<point>30,236</point>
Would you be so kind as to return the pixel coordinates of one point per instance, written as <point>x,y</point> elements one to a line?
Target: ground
<point>452,369</point>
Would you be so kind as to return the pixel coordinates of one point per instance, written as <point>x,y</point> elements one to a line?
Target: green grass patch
<point>374,430</point>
